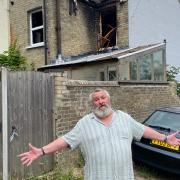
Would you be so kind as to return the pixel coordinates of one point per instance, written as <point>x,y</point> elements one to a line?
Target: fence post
<point>4,124</point>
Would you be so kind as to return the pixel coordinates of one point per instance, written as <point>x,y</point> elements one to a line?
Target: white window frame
<point>35,28</point>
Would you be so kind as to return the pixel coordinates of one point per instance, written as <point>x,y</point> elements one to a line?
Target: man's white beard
<point>102,111</point>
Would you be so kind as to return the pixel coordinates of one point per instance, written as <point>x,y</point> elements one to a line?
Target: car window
<point>164,119</point>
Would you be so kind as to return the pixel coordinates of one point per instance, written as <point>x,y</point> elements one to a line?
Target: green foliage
<point>171,75</point>
<point>80,161</point>
<point>12,59</point>
<point>178,89</point>
<point>58,174</point>
<point>172,72</point>
<point>146,172</point>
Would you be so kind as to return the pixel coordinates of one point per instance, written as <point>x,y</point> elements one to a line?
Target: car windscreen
<point>164,119</point>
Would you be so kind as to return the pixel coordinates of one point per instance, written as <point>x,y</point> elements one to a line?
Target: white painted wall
<point>152,21</point>
<point>4,25</point>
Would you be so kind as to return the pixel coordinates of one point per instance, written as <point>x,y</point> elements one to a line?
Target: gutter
<point>58,29</point>
<point>45,32</point>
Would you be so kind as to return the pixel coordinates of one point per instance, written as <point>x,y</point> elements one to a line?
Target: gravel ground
<point>152,174</point>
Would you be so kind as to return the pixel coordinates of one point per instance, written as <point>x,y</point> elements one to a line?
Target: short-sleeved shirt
<point>106,149</point>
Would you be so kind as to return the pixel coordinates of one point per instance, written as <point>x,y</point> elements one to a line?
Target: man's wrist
<point>43,152</point>
<point>165,138</point>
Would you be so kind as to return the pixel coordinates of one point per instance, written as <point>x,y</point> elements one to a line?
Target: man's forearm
<point>54,146</point>
<point>152,134</point>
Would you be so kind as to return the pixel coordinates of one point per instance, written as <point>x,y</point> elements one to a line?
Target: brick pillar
<point>62,104</point>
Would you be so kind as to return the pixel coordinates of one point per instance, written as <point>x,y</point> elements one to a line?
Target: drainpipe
<point>45,32</point>
<point>58,30</point>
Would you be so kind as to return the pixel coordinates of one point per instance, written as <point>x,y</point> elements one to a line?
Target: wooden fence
<point>0,132</point>
<point>30,109</point>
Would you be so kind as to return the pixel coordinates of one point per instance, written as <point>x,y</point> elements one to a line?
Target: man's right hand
<point>28,157</point>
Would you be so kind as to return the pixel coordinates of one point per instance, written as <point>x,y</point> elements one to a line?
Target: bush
<point>172,72</point>
<point>12,59</point>
<point>178,89</point>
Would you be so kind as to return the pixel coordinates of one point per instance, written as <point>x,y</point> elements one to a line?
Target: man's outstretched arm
<point>34,153</point>
<point>152,134</point>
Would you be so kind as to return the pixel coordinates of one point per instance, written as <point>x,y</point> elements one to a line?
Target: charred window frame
<point>108,22</point>
<point>36,27</point>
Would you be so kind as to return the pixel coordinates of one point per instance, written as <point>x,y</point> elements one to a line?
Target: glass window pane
<point>145,67</point>
<point>112,75</point>
<point>133,70</point>
<point>37,19</point>
<point>37,36</point>
<point>158,65</point>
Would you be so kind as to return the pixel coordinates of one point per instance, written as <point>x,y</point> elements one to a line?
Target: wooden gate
<point>30,108</point>
<point>1,169</point>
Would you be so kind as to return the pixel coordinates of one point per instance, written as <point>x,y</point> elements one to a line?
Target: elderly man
<point>104,137</point>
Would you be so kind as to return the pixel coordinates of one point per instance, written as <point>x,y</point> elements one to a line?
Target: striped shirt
<point>106,149</point>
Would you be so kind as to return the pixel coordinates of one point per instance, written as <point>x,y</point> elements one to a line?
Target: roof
<point>174,109</point>
<point>113,55</point>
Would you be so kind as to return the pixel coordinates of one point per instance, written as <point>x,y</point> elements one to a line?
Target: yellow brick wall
<point>78,33</point>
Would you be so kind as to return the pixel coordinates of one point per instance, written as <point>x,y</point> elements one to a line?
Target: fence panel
<point>30,103</point>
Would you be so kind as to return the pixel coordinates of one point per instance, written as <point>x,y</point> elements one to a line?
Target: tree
<point>171,73</point>
<point>12,59</point>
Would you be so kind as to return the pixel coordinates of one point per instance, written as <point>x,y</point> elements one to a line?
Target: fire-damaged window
<point>107,28</point>
<point>36,27</point>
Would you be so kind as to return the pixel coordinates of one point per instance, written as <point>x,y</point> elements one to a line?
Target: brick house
<point>48,30</point>
<point>4,26</point>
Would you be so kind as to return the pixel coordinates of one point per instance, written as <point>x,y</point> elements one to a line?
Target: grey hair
<point>98,90</point>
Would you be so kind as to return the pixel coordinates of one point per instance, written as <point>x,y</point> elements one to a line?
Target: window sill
<point>142,82</point>
<point>35,45</point>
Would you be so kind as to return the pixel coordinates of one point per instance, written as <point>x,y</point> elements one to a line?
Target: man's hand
<point>172,140</point>
<point>152,134</point>
<point>28,157</point>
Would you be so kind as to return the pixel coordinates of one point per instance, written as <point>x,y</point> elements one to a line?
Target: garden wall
<point>139,100</point>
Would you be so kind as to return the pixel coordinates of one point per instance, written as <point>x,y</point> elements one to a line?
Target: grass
<point>145,172</point>
<point>141,173</point>
<point>59,174</point>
